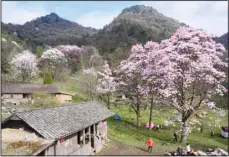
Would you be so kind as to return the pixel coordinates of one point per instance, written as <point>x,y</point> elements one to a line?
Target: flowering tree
<point>131,83</point>
<point>24,66</point>
<point>106,84</point>
<point>73,55</point>
<point>54,61</point>
<point>87,80</point>
<point>152,72</point>
<point>193,72</point>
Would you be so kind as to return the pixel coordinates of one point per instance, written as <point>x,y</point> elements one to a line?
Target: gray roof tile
<point>57,122</point>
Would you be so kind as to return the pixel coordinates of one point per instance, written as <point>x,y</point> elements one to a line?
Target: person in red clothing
<point>150,144</point>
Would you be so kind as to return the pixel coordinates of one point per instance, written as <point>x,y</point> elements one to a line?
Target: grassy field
<point>126,132</point>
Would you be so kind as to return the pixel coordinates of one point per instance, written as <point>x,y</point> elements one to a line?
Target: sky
<point>211,16</point>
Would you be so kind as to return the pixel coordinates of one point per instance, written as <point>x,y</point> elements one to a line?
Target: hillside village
<point>74,90</point>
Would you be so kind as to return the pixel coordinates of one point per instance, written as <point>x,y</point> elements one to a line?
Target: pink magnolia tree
<point>106,83</point>
<point>131,82</point>
<point>193,72</point>
<point>24,66</point>
<point>152,72</point>
<point>73,55</point>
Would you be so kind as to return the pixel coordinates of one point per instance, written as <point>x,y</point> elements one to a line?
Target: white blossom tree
<point>24,66</point>
<point>54,61</point>
<point>106,83</point>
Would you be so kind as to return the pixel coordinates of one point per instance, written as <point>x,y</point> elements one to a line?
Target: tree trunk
<point>108,101</point>
<point>138,113</point>
<point>150,115</point>
<point>184,131</point>
<point>138,119</point>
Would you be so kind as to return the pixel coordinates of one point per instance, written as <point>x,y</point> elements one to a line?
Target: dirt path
<point>116,148</point>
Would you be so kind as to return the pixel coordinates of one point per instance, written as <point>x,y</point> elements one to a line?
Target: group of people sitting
<point>181,152</point>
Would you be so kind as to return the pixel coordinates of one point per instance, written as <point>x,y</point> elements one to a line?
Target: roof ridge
<point>64,105</point>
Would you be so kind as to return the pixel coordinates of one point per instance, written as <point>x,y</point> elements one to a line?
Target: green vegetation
<point>48,78</point>
<point>41,100</point>
<point>126,132</point>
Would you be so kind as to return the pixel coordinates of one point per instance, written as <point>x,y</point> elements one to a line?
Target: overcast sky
<point>211,16</point>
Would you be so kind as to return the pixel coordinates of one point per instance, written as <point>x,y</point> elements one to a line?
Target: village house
<point>76,129</point>
<point>18,93</point>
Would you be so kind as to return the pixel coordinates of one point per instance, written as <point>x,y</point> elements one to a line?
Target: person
<point>188,148</point>
<point>212,134</point>
<point>191,153</point>
<point>175,137</point>
<point>150,144</point>
<point>179,151</point>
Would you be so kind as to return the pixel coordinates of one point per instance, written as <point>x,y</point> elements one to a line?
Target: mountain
<point>223,40</point>
<point>52,30</point>
<point>136,24</point>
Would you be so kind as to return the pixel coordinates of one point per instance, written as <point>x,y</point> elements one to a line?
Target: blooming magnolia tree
<point>73,55</point>
<point>24,66</point>
<point>106,84</point>
<point>131,83</point>
<point>54,61</point>
<point>193,72</point>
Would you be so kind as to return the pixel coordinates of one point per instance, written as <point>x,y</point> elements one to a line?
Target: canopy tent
<point>224,131</point>
<point>117,117</point>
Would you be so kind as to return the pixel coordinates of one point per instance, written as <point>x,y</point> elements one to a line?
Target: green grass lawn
<point>126,132</point>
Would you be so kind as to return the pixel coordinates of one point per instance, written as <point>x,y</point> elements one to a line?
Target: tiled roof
<point>28,88</point>
<point>58,122</point>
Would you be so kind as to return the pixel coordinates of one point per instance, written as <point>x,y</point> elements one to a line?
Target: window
<point>25,95</point>
<point>80,138</point>
<point>11,96</point>
<point>92,130</point>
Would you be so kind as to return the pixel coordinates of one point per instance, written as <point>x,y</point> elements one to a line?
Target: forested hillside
<point>52,30</point>
<point>136,24</point>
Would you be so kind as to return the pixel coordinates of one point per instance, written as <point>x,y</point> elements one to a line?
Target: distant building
<point>17,93</point>
<point>79,129</point>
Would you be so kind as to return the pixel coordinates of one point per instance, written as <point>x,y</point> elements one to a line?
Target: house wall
<point>64,97</point>
<point>18,98</point>
<point>14,99</point>
<point>50,150</point>
<point>15,96</point>
<point>71,146</point>
<point>101,135</point>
